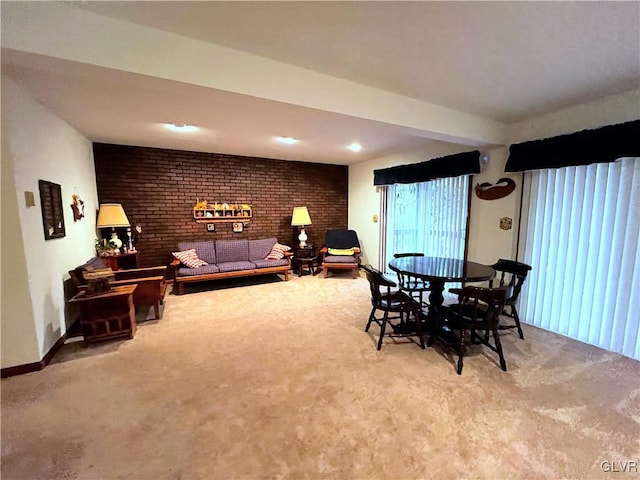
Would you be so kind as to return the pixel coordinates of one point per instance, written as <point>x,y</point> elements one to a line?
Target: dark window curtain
<point>602,145</point>
<point>456,165</point>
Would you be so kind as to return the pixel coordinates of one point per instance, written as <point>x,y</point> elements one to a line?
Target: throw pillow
<point>190,258</point>
<point>277,252</point>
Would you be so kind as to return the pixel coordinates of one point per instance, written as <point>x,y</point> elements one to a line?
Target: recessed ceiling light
<point>180,127</point>
<point>355,147</point>
<point>287,140</point>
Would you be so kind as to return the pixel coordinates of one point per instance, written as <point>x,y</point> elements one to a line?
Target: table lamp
<point>300,218</point>
<point>112,215</point>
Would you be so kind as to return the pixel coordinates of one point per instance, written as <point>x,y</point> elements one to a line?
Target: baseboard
<point>34,366</point>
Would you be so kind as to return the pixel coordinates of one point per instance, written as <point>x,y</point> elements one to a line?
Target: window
<point>580,232</point>
<point>428,217</point>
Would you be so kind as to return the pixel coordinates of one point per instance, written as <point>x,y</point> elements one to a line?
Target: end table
<point>107,315</point>
<point>122,261</point>
<point>304,256</point>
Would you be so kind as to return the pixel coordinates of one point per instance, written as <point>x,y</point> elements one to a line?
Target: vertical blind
<point>428,217</point>
<point>581,230</point>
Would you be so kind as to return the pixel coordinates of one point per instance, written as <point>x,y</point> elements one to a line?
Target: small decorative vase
<point>115,240</point>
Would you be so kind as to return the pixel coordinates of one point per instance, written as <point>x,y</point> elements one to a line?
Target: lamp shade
<point>300,217</point>
<point>112,215</point>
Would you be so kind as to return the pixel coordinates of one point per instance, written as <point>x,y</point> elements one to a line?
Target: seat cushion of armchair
<point>340,259</point>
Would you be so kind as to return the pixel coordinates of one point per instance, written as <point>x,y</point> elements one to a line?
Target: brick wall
<point>158,189</point>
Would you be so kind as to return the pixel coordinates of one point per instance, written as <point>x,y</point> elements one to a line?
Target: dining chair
<point>413,285</point>
<point>391,302</point>
<point>513,274</point>
<point>478,310</point>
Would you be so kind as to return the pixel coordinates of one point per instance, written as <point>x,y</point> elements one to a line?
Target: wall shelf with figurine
<point>204,212</point>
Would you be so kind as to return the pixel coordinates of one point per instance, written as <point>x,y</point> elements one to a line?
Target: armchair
<point>151,281</point>
<point>341,252</point>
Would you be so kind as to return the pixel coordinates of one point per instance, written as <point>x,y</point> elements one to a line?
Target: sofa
<point>218,259</point>
<point>151,281</point>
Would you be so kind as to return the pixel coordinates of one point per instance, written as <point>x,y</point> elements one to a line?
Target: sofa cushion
<point>189,258</point>
<point>198,271</point>
<point>205,250</point>
<point>235,266</point>
<point>266,263</point>
<point>259,249</point>
<point>232,251</point>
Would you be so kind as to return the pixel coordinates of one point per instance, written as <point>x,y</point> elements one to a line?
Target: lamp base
<point>115,240</point>
<point>302,238</point>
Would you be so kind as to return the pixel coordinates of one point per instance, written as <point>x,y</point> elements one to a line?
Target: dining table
<point>438,271</point>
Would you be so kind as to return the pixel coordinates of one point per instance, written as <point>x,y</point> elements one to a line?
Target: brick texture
<point>158,189</point>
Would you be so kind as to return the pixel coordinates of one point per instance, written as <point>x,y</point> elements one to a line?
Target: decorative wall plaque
<point>501,189</point>
<point>52,214</point>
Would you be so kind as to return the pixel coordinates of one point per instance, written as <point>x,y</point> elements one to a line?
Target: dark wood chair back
<point>391,301</point>
<point>413,285</point>
<point>376,283</point>
<point>478,310</point>
<point>480,307</point>
<point>512,274</point>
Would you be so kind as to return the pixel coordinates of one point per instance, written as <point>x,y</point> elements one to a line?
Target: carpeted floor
<point>279,380</point>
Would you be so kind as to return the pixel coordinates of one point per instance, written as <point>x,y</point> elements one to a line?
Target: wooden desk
<point>107,315</point>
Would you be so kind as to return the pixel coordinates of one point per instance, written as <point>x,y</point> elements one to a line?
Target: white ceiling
<point>503,61</point>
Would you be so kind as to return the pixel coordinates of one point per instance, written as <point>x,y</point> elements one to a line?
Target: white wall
<point>606,111</point>
<point>487,241</point>
<point>37,145</point>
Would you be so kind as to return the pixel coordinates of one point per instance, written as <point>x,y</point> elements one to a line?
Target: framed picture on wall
<point>237,227</point>
<point>51,205</point>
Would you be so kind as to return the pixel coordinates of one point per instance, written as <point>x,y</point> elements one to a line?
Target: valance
<point>602,145</point>
<point>456,165</point>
